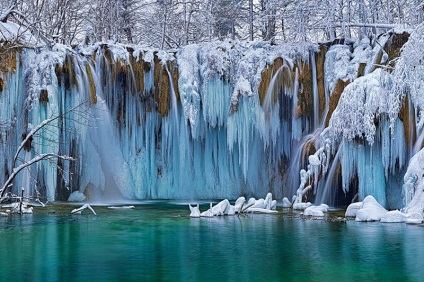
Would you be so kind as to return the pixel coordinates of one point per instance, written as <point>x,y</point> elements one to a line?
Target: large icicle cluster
<point>365,135</point>
<point>184,124</point>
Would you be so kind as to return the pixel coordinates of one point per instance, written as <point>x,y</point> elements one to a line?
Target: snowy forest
<point>167,24</point>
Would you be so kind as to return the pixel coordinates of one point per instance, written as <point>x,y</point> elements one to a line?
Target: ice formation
<point>184,125</point>
<point>370,135</point>
<point>215,120</point>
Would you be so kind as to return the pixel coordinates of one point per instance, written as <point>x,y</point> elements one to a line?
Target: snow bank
<point>11,32</point>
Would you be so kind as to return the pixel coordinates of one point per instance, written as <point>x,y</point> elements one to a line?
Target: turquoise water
<point>159,242</point>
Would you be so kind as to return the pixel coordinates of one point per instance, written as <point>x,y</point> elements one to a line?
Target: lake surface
<point>159,242</point>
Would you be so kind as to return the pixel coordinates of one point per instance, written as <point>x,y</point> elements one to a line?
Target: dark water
<point>159,242</point>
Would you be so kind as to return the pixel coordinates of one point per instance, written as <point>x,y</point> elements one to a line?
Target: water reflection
<point>162,243</point>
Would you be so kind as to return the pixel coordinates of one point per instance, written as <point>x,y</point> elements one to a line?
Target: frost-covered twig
<point>27,164</point>
<point>40,126</point>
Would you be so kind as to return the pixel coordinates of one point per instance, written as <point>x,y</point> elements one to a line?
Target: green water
<point>159,242</point>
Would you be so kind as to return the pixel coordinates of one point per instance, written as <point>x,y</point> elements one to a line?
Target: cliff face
<point>216,120</point>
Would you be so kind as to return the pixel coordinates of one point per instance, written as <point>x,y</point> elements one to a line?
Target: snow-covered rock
<point>316,211</point>
<point>301,206</point>
<point>230,211</point>
<point>414,218</point>
<point>76,196</point>
<point>194,211</point>
<point>371,210</point>
<point>352,209</point>
<point>273,205</point>
<point>207,213</point>
<point>260,203</point>
<point>394,216</point>
<point>224,207</point>
<point>286,203</point>
<point>239,203</point>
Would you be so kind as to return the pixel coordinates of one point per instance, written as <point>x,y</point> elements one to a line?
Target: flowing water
<point>158,241</point>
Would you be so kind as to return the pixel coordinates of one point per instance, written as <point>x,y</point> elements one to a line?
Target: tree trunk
<point>251,20</point>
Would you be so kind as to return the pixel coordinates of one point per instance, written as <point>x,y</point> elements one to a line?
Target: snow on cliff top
<point>11,32</point>
<point>360,102</point>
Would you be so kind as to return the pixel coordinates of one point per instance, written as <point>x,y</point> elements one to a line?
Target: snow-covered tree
<point>19,163</point>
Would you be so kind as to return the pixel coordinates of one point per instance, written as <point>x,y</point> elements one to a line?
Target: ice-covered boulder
<point>394,216</point>
<point>259,204</point>
<point>301,206</point>
<point>274,205</point>
<point>352,209</point>
<point>286,203</point>
<point>317,211</point>
<point>224,207</point>
<point>230,211</point>
<point>414,218</point>
<point>238,204</point>
<point>219,209</point>
<point>268,201</point>
<point>251,202</point>
<point>371,210</point>
<point>194,211</point>
<point>76,196</point>
<point>207,213</point>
